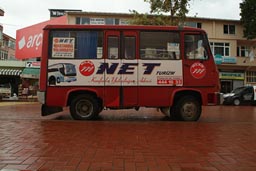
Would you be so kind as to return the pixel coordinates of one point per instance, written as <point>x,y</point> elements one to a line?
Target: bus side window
<point>113,50</point>
<point>195,47</point>
<point>159,45</point>
<point>80,44</point>
<point>129,47</point>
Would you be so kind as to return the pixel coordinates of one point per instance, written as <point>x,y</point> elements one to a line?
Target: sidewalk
<point>13,103</point>
<point>20,99</point>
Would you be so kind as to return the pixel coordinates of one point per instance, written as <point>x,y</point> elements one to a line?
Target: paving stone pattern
<point>35,143</point>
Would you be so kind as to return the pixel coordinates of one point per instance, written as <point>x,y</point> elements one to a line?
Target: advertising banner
<point>63,47</point>
<point>29,39</point>
<point>89,72</point>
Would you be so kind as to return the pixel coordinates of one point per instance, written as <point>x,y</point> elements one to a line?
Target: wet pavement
<point>127,140</point>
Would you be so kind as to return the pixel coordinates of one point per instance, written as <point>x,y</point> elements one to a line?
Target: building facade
<point>17,75</point>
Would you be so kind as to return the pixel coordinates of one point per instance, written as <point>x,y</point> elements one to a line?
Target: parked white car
<point>5,90</point>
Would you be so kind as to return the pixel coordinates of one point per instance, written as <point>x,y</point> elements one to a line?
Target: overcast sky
<point>23,13</point>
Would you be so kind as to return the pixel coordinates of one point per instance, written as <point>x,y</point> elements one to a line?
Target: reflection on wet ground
<point>127,140</point>
<point>209,114</point>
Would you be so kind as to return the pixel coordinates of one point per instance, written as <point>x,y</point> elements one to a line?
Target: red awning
<point>29,39</point>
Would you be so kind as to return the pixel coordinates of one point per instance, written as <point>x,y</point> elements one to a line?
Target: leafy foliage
<point>147,19</point>
<point>177,10</point>
<point>248,18</point>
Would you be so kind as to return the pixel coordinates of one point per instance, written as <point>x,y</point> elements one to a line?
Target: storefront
<point>231,80</point>
<point>22,77</point>
<point>29,46</point>
<point>30,78</point>
<point>11,76</point>
<point>10,72</point>
<point>231,75</point>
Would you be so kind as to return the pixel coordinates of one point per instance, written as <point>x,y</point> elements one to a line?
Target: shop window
<point>159,45</point>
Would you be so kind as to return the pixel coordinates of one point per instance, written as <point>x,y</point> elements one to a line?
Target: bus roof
<point>121,27</point>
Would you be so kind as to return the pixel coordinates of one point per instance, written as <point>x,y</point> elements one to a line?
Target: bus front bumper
<point>41,97</point>
<point>47,110</point>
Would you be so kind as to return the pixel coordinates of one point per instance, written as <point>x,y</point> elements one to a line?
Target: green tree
<point>147,19</point>
<point>248,18</point>
<point>177,9</point>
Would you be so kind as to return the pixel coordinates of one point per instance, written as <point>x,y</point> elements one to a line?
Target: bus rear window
<point>76,44</point>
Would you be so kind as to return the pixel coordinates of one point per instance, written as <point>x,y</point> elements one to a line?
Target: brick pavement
<point>147,142</point>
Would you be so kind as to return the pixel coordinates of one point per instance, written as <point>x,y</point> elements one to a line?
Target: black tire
<point>187,108</point>
<point>236,102</point>
<point>84,107</point>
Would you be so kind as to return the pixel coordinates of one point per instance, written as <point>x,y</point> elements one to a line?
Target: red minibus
<point>94,67</point>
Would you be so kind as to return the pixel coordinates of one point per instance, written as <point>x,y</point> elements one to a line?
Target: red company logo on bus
<point>198,70</point>
<point>86,68</point>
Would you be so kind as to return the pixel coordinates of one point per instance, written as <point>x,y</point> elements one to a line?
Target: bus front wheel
<point>187,108</point>
<point>84,107</point>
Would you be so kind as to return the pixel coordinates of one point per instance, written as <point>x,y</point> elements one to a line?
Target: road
<point>127,140</point>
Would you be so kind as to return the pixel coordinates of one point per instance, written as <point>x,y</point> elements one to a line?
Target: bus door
<point>121,74</point>
<point>198,65</point>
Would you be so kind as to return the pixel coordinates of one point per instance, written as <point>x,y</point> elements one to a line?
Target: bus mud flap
<point>48,110</point>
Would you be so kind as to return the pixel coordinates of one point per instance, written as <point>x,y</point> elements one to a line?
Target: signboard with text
<point>63,47</point>
<point>29,39</point>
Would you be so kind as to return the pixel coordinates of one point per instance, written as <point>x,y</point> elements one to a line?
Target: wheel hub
<point>189,110</point>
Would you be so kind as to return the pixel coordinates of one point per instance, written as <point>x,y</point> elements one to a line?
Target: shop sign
<point>231,75</point>
<point>219,59</point>
<point>29,39</point>
<point>57,13</point>
<point>229,60</point>
<point>60,12</point>
<point>33,64</point>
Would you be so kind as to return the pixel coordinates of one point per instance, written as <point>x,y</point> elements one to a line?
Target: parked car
<point>241,95</point>
<point>5,90</point>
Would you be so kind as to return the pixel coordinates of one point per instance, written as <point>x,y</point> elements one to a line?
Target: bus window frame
<point>71,35</point>
<point>154,50</point>
<point>205,45</point>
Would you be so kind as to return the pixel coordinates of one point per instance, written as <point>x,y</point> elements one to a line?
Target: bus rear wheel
<point>187,108</point>
<point>84,107</point>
